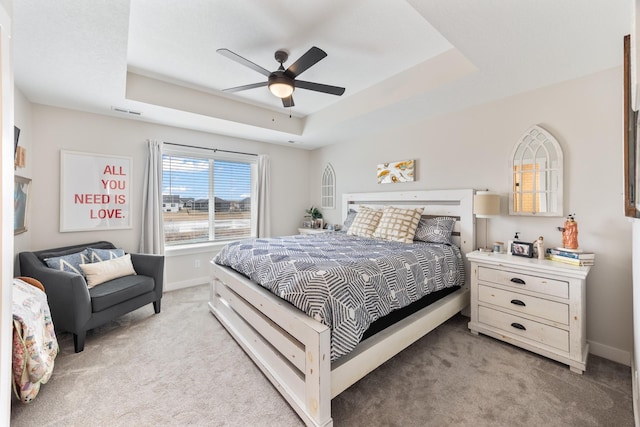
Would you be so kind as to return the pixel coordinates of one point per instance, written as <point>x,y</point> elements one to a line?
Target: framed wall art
<point>95,192</point>
<point>393,172</point>
<point>19,153</point>
<point>21,192</point>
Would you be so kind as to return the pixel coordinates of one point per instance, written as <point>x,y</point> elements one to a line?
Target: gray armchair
<point>75,308</point>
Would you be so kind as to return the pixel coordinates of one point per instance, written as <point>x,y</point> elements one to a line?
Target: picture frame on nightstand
<point>522,249</point>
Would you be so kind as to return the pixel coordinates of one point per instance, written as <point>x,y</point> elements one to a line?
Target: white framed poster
<point>95,191</point>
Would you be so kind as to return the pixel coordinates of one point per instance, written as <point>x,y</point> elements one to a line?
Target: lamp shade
<point>486,204</point>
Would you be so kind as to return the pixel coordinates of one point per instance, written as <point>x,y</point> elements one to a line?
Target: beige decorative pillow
<point>365,222</point>
<point>398,224</point>
<point>100,272</point>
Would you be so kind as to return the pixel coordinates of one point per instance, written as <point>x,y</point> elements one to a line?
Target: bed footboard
<point>296,360</point>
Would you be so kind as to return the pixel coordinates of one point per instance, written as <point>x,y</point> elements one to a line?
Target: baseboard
<point>174,286</point>
<point>610,353</point>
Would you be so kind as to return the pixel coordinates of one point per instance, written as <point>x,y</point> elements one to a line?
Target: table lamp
<point>486,205</point>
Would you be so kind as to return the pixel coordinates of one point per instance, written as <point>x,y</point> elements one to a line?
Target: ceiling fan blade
<point>306,61</point>
<point>240,60</point>
<point>245,87</point>
<point>318,87</point>
<point>288,102</point>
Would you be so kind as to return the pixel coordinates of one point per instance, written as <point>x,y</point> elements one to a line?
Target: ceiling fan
<point>283,82</point>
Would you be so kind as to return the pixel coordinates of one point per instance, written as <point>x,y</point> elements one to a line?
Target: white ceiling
<point>400,61</point>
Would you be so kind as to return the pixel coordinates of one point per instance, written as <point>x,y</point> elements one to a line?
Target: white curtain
<point>152,236</point>
<point>263,228</point>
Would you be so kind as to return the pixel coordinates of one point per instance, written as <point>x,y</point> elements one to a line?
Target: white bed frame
<point>293,350</point>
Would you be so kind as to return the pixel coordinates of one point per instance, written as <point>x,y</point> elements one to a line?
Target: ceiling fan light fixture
<point>282,83</point>
<point>281,88</point>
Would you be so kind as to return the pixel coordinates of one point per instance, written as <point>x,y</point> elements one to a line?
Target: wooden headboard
<point>454,203</point>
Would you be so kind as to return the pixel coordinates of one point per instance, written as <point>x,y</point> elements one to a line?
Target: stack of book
<point>571,256</point>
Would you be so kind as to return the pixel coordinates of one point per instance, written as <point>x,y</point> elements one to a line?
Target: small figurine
<point>570,232</point>
<point>540,246</point>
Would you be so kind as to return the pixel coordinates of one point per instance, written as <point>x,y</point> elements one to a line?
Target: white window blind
<point>206,198</point>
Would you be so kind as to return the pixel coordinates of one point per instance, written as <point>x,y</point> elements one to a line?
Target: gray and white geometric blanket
<point>345,282</point>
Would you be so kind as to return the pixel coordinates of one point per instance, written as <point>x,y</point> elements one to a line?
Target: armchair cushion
<point>121,289</point>
<point>100,272</point>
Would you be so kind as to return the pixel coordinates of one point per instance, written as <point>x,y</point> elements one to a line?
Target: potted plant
<point>316,216</point>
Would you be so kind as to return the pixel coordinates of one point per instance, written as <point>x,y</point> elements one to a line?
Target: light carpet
<point>181,367</point>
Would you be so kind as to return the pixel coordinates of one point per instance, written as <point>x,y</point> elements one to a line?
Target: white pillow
<point>398,224</point>
<point>100,272</point>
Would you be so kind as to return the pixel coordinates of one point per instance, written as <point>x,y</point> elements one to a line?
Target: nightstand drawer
<point>544,334</point>
<point>539,307</point>
<point>517,280</point>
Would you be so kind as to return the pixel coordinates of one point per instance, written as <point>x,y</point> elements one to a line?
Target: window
<point>206,196</point>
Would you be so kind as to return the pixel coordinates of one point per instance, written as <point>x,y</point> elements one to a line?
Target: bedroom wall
<point>23,120</point>
<point>471,149</point>
<point>50,130</point>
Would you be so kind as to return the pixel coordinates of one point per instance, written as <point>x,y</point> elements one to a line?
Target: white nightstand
<point>311,230</point>
<point>535,304</point>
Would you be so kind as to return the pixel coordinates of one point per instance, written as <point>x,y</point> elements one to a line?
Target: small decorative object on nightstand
<point>523,249</point>
<point>516,237</point>
<point>316,217</point>
<point>540,247</point>
<point>539,305</point>
<point>570,232</point>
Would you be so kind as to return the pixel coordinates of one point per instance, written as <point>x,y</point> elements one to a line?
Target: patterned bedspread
<point>345,282</point>
<point>34,340</point>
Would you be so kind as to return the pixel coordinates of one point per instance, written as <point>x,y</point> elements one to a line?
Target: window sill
<point>196,248</point>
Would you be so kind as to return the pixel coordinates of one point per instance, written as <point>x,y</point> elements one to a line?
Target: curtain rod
<point>212,149</point>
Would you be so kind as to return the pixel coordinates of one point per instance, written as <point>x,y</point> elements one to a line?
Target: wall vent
<point>124,110</point>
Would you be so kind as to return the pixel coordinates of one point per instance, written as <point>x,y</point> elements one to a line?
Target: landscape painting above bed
<point>318,295</point>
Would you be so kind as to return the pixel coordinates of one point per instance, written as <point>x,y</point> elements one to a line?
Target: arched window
<point>328,189</point>
<point>536,175</point>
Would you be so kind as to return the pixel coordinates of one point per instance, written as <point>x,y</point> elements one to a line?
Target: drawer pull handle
<point>518,302</point>
<point>518,281</point>
<point>518,326</point>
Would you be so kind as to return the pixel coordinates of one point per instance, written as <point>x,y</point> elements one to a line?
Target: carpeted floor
<point>182,368</point>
